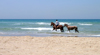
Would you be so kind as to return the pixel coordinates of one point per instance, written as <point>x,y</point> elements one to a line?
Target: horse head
<point>65,25</point>
<point>52,24</point>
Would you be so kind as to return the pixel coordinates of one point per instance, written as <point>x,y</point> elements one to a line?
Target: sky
<point>49,9</point>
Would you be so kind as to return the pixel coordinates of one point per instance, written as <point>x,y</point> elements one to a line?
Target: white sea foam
<point>40,29</point>
<point>22,23</point>
<point>84,24</point>
<point>17,24</point>
<point>96,35</point>
<point>58,31</point>
<point>42,23</point>
<point>1,33</point>
<point>62,23</point>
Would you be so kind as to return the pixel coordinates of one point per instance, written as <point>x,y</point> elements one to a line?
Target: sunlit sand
<point>56,45</point>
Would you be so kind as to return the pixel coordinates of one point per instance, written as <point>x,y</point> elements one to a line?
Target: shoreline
<point>55,45</point>
<point>46,36</point>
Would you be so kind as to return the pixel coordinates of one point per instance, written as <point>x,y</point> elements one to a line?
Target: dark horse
<point>58,27</point>
<point>71,28</point>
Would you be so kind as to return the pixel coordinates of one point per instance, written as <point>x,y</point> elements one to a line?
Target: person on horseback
<point>57,23</point>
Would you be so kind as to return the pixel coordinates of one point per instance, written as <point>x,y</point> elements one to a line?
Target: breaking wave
<point>62,23</point>
<point>40,29</point>
<point>42,23</point>
<point>84,24</point>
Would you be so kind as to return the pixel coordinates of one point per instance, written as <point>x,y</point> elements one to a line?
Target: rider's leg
<point>56,27</point>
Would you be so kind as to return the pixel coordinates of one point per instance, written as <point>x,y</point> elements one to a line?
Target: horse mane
<point>67,24</point>
<point>52,22</point>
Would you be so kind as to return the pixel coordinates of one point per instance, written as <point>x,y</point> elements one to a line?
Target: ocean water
<point>42,28</point>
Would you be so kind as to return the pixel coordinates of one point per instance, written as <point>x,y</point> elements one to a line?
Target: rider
<point>57,23</point>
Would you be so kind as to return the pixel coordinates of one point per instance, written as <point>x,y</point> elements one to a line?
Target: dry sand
<point>26,45</point>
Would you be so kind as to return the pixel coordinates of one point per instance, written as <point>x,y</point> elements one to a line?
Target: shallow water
<point>41,27</point>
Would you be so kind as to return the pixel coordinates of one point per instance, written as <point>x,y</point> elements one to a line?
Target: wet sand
<point>27,45</point>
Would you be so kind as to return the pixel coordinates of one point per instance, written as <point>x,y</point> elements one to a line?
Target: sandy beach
<point>27,45</point>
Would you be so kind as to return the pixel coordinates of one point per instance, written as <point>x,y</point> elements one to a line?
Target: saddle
<point>56,26</point>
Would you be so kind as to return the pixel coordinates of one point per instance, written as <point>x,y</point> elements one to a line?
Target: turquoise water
<point>41,27</point>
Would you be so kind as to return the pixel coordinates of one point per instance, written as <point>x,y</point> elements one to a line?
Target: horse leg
<point>61,30</point>
<point>76,30</point>
<point>53,28</point>
<point>56,28</point>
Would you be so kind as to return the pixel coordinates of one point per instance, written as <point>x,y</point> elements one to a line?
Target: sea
<point>42,28</point>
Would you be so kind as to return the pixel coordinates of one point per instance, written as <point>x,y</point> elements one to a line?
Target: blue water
<point>41,27</point>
